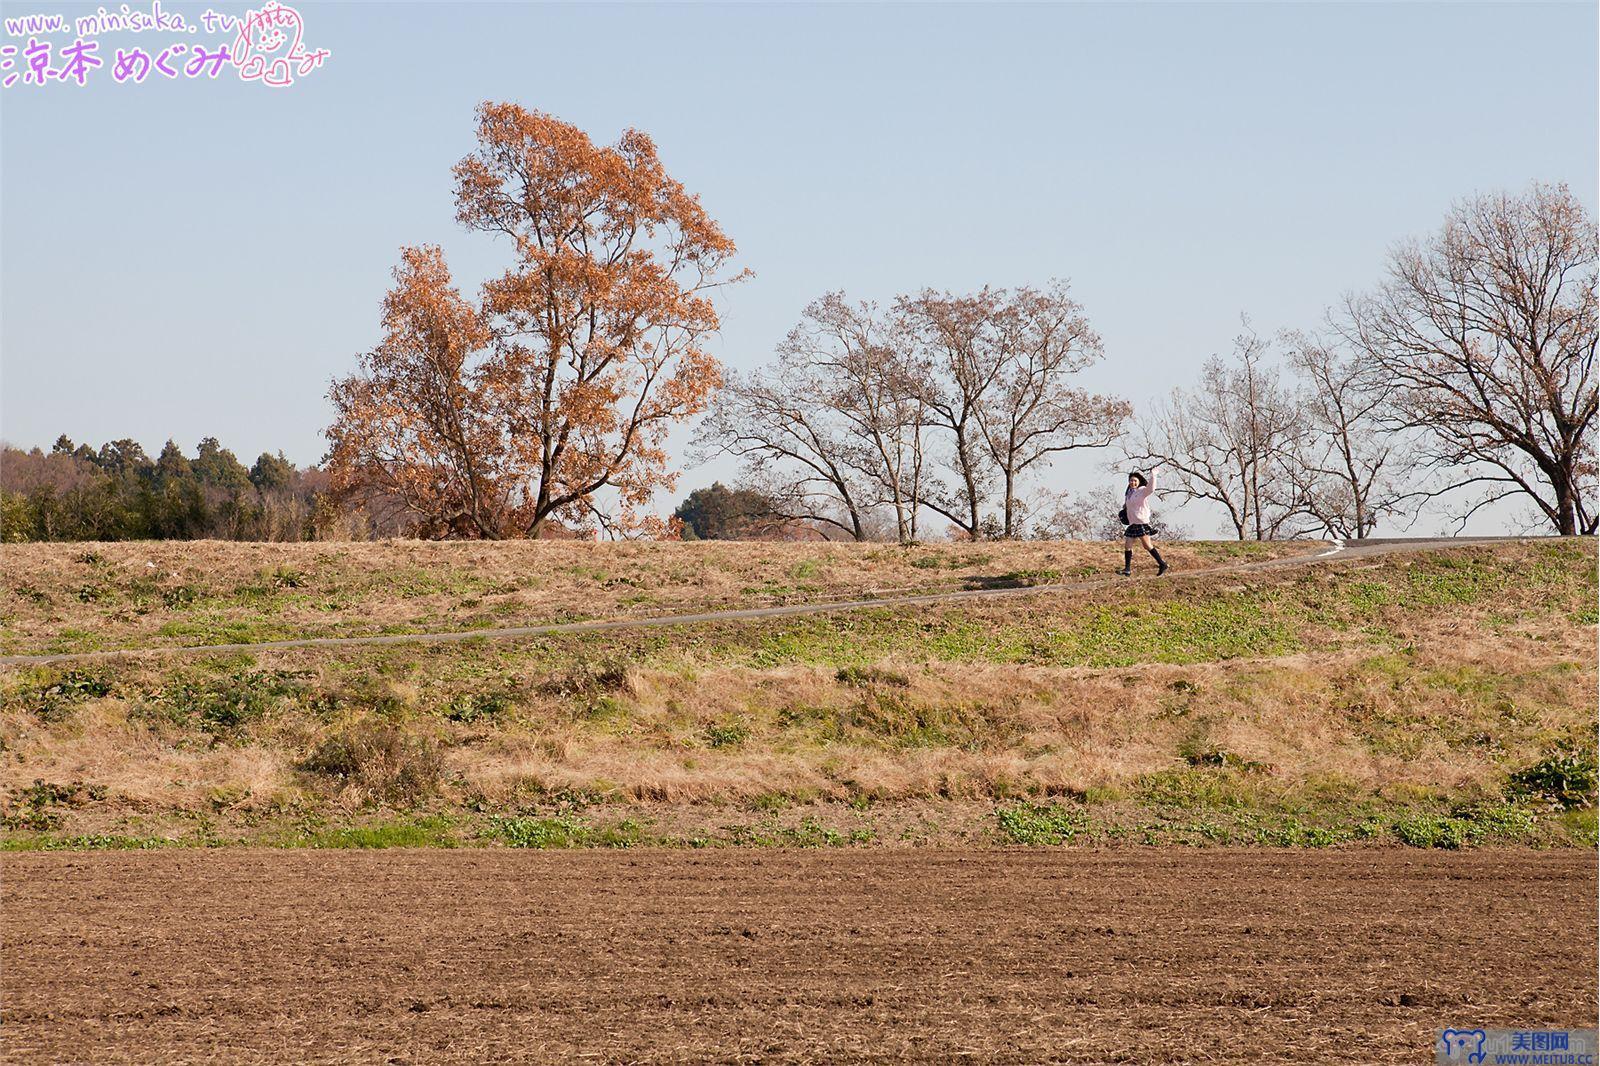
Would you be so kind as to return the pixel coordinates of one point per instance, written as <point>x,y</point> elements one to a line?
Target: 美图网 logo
<point>1533,1047</point>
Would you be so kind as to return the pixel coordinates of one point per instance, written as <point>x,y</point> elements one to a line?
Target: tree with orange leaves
<point>496,419</point>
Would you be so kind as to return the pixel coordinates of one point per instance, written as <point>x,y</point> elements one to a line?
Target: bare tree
<point>996,370</point>
<point>1487,331</point>
<point>875,394</point>
<point>841,425</point>
<point>1229,442</point>
<point>780,423</point>
<point>833,432</point>
<point>1030,412</point>
<point>1081,516</point>
<point>959,342</point>
<point>1345,467</point>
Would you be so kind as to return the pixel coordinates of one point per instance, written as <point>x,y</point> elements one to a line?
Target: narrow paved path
<point>1337,551</point>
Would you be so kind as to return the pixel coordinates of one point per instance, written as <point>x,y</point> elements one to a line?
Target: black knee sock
<point>1127,559</point>
<point>1156,556</point>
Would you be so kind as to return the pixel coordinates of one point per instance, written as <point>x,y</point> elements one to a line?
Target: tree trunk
<point>1011,501</point>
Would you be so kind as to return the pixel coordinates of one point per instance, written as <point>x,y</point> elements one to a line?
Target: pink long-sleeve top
<point>1137,501</point>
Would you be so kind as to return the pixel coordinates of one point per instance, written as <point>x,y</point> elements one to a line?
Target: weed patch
<point>868,676</point>
<point>421,833</point>
<point>562,831</point>
<point>1031,824</point>
<point>475,706</point>
<point>1196,787</point>
<point>809,833</point>
<point>31,806</point>
<point>1465,825</point>
<point>727,736</point>
<point>223,704</point>
<point>56,700</point>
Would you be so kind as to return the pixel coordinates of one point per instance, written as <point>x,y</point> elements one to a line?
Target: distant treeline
<point>117,492</point>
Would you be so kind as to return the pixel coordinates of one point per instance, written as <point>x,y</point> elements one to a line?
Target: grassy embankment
<point>1444,699</point>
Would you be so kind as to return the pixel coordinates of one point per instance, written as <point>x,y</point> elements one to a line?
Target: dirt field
<point>1022,956</point>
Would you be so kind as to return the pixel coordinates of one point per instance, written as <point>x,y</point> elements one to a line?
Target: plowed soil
<point>1008,956</point>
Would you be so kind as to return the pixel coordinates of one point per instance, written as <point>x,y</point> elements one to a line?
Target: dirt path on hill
<point>1337,551</point>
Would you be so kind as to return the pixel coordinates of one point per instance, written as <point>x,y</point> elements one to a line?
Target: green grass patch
<point>1032,824</point>
<point>1163,631</point>
<point>809,833</point>
<point>561,831</point>
<point>436,832</point>
<point>87,842</point>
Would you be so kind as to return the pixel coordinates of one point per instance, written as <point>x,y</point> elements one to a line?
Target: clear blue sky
<point>199,258</point>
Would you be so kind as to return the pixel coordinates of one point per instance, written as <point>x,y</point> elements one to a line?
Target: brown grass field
<point>74,597</point>
<point>1426,699</point>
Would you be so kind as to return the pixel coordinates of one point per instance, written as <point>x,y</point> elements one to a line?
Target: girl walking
<point>1136,513</point>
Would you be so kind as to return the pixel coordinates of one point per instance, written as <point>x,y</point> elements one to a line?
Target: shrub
<point>471,706</point>
<point>868,676</point>
<point>381,760</point>
<point>1566,777</point>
